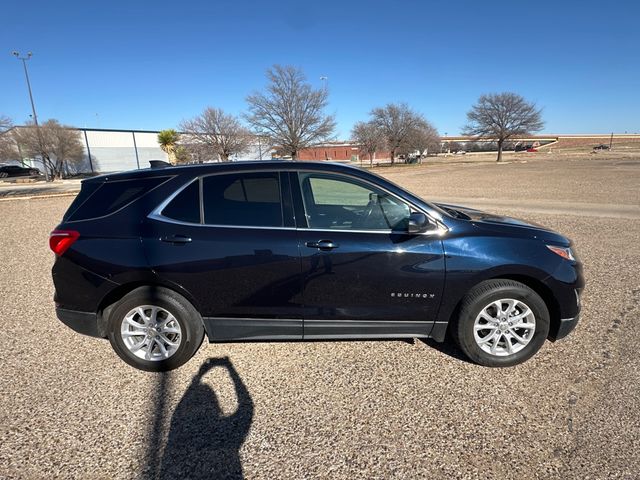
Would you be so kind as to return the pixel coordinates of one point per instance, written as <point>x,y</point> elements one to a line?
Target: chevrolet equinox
<point>155,259</point>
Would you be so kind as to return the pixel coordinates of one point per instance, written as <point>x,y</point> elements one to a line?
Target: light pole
<point>33,105</point>
<point>325,80</point>
<point>26,74</point>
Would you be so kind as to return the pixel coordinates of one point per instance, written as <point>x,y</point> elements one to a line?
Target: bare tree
<point>398,124</point>
<point>369,139</point>
<point>5,123</point>
<point>186,153</point>
<point>57,146</point>
<point>8,147</point>
<point>218,132</point>
<point>420,141</point>
<point>290,113</point>
<point>454,147</point>
<point>500,116</point>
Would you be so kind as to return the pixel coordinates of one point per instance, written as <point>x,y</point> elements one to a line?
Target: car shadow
<point>203,442</point>
<point>448,347</point>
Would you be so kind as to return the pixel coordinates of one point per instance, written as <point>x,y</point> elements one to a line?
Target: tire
<point>155,346</point>
<point>482,332</point>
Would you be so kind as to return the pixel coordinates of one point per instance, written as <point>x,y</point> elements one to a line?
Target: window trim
<point>156,213</point>
<point>296,194</point>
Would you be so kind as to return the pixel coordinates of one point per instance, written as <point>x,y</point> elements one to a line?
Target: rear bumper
<point>82,322</point>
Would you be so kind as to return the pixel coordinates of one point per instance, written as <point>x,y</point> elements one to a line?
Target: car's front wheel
<point>501,323</point>
<point>155,329</point>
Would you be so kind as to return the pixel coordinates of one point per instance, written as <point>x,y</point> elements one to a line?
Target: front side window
<point>243,199</point>
<point>343,203</point>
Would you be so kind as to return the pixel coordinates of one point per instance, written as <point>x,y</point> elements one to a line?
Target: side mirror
<point>418,223</point>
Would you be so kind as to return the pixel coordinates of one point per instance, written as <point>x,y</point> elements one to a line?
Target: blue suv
<point>155,259</point>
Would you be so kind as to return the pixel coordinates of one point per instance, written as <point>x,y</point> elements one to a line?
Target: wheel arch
<point>532,282</point>
<point>116,294</point>
<point>545,293</point>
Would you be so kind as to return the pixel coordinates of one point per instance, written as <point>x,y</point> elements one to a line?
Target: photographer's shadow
<point>202,442</point>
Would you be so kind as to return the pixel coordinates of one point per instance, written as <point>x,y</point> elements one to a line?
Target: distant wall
<point>337,152</point>
<point>117,150</point>
<point>113,151</point>
<point>120,150</point>
<point>589,141</point>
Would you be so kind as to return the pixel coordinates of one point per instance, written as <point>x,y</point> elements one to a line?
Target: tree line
<point>287,115</point>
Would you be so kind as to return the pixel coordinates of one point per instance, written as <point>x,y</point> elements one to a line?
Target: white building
<point>108,150</point>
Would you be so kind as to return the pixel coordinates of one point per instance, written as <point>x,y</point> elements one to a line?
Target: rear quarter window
<point>185,207</point>
<point>109,197</point>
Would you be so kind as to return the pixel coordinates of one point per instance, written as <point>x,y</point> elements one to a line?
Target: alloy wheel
<point>151,332</point>
<point>504,327</point>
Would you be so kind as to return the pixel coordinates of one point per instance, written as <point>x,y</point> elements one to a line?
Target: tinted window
<point>250,199</point>
<point>185,207</point>
<point>336,202</point>
<point>86,191</point>
<point>112,196</point>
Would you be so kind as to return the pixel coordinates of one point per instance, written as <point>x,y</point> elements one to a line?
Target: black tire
<point>482,295</point>
<point>188,318</point>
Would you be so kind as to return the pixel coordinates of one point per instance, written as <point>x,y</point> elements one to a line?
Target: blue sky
<point>149,65</point>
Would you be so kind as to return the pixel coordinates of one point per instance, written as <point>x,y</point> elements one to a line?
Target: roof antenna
<point>159,164</point>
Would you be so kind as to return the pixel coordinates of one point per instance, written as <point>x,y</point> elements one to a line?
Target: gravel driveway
<point>386,409</point>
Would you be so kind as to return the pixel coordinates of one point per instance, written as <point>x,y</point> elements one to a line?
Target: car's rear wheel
<point>501,323</point>
<point>155,329</point>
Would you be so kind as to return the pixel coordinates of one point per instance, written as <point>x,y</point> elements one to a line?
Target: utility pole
<point>611,141</point>
<point>26,74</point>
<point>325,82</point>
<point>33,105</point>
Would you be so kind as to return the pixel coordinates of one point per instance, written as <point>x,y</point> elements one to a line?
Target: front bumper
<point>563,328</point>
<point>82,322</point>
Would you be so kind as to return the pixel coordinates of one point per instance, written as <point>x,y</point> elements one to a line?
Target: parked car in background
<point>524,148</point>
<point>155,259</point>
<point>18,171</point>
<point>602,146</point>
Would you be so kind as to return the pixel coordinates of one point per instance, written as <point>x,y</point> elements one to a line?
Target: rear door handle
<point>322,245</point>
<point>176,239</point>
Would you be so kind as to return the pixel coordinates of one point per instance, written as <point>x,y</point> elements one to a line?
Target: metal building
<point>108,150</point>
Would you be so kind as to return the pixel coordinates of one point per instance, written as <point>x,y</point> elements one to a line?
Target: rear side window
<point>246,199</point>
<point>86,191</point>
<point>110,197</point>
<point>185,207</point>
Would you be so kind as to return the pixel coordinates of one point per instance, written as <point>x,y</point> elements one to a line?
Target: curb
<point>33,197</point>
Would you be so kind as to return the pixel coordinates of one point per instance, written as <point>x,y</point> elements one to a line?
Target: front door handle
<point>176,239</point>
<point>322,245</point>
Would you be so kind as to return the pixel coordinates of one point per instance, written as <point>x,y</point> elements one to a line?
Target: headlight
<point>564,252</point>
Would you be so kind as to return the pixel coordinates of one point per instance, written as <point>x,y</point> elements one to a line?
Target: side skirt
<point>246,329</point>
<point>263,329</point>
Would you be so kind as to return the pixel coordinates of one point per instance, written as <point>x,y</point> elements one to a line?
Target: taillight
<point>61,240</point>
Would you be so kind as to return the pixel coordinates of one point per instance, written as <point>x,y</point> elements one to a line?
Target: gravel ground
<point>387,409</point>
